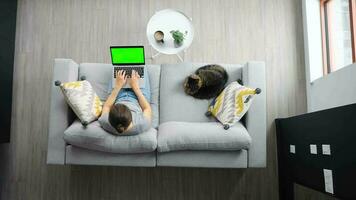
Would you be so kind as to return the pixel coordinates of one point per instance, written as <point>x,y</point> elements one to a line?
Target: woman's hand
<point>120,79</point>
<point>134,80</point>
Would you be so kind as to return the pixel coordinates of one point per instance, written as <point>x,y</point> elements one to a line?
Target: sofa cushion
<point>99,75</point>
<point>232,103</point>
<point>83,100</point>
<point>173,136</point>
<point>95,138</point>
<point>175,105</point>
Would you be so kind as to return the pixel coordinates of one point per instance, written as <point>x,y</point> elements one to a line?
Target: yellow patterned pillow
<point>83,100</point>
<point>232,103</point>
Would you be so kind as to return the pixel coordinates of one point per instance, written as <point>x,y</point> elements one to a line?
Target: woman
<point>127,111</point>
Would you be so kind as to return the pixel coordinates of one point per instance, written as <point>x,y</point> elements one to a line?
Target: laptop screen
<point>134,55</point>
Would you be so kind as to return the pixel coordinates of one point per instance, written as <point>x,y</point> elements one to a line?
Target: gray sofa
<point>181,136</point>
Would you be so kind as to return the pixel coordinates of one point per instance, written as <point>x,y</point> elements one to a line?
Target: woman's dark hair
<point>120,117</point>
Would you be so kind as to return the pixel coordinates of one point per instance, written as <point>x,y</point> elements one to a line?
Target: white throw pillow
<point>232,103</point>
<point>83,100</point>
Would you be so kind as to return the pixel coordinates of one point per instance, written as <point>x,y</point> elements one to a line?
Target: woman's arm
<point>145,105</point>
<point>119,83</point>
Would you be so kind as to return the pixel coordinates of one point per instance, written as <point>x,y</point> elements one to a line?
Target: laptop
<point>128,58</point>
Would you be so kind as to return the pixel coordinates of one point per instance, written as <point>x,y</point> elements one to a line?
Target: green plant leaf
<point>178,36</point>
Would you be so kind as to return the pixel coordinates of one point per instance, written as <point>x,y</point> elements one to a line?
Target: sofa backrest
<point>99,75</point>
<point>175,105</point>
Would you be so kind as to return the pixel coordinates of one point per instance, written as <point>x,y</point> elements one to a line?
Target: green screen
<point>127,55</point>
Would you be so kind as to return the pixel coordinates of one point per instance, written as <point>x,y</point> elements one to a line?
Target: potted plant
<point>178,37</point>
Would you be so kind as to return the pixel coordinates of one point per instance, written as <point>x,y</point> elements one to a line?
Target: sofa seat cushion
<point>99,75</point>
<point>175,105</point>
<point>95,138</point>
<point>174,136</point>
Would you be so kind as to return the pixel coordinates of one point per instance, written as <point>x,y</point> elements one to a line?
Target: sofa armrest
<point>65,70</point>
<point>254,75</point>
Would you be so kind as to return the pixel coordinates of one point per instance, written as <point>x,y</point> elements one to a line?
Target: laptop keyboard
<point>128,70</point>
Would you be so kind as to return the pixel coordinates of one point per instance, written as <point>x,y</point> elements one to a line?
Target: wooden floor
<point>227,31</point>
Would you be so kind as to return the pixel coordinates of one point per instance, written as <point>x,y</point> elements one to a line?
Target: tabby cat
<point>207,82</point>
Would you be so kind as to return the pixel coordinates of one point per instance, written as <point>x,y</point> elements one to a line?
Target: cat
<point>206,82</point>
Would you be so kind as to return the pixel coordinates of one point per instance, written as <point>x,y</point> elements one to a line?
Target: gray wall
<point>335,89</point>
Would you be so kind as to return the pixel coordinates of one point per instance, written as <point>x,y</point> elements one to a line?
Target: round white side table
<point>167,20</point>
